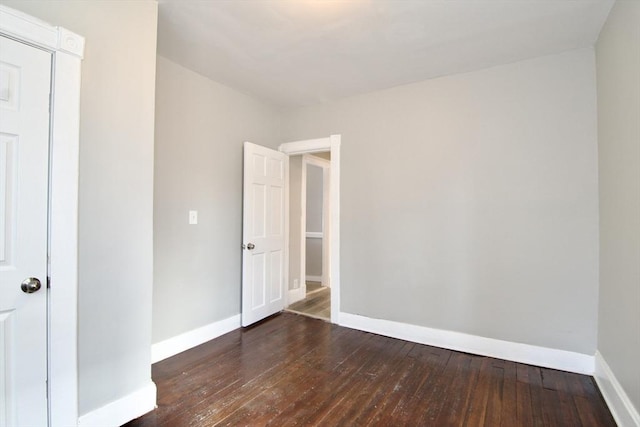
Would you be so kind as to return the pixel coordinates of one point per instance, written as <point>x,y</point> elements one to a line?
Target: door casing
<point>67,49</point>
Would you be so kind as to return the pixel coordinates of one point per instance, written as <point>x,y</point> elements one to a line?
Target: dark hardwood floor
<point>294,370</point>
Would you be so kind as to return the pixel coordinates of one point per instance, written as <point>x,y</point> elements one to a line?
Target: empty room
<point>320,212</point>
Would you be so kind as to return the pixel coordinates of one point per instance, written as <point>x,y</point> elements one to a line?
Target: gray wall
<point>469,202</point>
<point>314,198</point>
<point>200,128</point>
<point>314,220</point>
<point>116,191</point>
<point>313,257</point>
<point>618,62</point>
<point>295,214</point>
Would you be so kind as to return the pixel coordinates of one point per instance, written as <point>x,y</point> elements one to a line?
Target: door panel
<point>25,79</point>
<point>264,216</point>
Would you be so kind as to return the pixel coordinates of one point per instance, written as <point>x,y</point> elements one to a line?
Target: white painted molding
<point>70,42</point>
<point>287,231</point>
<point>311,278</point>
<point>623,411</point>
<point>516,352</point>
<point>24,27</point>
<point>296,295</point>
<point>302,261</point>
<point>63,243</point>
<point>314,235</point>
<point>307,146</point>
<point>334,233</point>
<point>178,344</point>
<point>123,410</point>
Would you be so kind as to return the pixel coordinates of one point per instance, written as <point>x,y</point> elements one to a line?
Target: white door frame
<point>308,159</point>
<point>67,50</point>
<point>331,144</point>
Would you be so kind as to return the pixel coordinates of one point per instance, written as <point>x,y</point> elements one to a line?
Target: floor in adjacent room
<point>295,370</point>
<point>316,304</point>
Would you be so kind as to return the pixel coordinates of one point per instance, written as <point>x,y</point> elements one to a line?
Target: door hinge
<point>48,282</point>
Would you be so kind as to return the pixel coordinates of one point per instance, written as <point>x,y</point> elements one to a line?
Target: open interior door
<point>25,80</point>
<point>266,182</point>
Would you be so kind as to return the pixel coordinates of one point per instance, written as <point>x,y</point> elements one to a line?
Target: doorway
<point>309,249</point>
<point>267,286</point>
<point>296,290</point>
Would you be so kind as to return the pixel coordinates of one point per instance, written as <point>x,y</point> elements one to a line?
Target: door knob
<point>30,285</point>
<point>251,246</point>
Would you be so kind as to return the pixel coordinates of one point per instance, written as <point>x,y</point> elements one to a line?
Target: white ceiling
<point>304,52</point>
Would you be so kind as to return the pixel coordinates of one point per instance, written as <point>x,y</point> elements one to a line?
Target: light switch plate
<point>193,217</point>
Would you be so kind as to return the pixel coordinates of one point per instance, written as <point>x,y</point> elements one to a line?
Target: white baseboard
<point>178,344</point>
<point>310,278</point>
<point>123,410</point>
<point>517,352</point>
<point>623,411</point>
<point>296,295</point>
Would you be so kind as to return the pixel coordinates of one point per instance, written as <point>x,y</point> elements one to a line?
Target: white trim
<point>295,295</point>
<point>287,209</point>
<point>63,270</point>
<point>34,31</point>
<point>303,225</point>
<point>314,235</point>
<point>620,405</point>
<point>311,278</point>
<point>331,144</point>
<point>307,146</point>
<point>123,410</point>
<point>178,344</point>
<point>67,49</point>
<point>70,42</point>
<point>507,350</point>
<point>326,224</point>
<point>334,233</point>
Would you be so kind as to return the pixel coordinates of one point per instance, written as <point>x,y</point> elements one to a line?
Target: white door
<point>25,79</point>
<point>266,182</point>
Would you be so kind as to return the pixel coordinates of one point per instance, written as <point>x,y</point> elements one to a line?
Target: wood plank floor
<point>316,304</point>
<point>293,370</point>
<point>313,286</point>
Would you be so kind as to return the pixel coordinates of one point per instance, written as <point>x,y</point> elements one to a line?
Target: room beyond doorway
<point>309,232</point>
